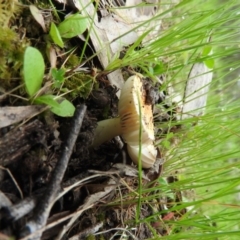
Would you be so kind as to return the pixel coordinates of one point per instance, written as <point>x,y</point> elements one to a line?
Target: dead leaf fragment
<point>114,31</point>
<point>12,115</point>
<point>36,13</point>
<point>5,202</point>
<point>52,57</point>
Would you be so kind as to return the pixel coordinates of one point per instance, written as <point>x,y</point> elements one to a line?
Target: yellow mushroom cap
<point>132,99</point>
<point>133,94</point>
<point>149,154</point>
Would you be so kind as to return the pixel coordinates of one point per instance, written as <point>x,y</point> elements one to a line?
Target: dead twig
<point>81,209</point>
<point>17,211</point>
<point>13,179</point>
<point>44,206</point>
<point>25,206</point>
<point>91,200</point>
<point>51,225</point>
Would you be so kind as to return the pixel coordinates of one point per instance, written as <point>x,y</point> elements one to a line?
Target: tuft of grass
<point>204,156</point>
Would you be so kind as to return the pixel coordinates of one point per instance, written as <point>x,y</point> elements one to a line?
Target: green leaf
<point>58,76</point>
<point>62,109</point>
<point>206,50</point>
<point>55,35</point>
<point>162,181</point>
<point>209,63</point>
<point>73,26</point>
<point>33,70</point>
<point>166,144</point>
<point>65,109</point>
<point>159,68</point>
<point>48,100</point>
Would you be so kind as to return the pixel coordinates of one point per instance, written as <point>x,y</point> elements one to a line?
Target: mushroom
<point>133,114</point>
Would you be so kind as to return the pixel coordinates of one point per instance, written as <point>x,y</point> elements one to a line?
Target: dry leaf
<point>5,202</point>
<point>52,57</point>
<point>110,185</point>
<point>12,115</point>
<point>114,31</point>
<point>129,170</point>
<point>38,16</point>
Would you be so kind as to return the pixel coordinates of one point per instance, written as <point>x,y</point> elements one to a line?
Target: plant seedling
<point>33,73</point>
<point>71,27</point>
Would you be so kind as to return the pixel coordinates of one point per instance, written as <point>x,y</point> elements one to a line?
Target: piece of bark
<point>195,95</point>
<point>19,141</point>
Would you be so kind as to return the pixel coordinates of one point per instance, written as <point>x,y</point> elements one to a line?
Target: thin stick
<point>51,225</point>
<point>44,206</point>
<point>22,208</point>
<point>14,181</point>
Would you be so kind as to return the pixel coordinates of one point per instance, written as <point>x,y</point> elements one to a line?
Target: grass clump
<point>205,156</point>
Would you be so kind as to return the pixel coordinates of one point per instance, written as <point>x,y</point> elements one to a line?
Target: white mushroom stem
<point>106,130</point>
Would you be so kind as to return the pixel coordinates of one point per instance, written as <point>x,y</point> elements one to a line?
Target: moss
<point>80,84</point>
<point>91,237</point>
<point>101,237</point>
<point>12,47</point>
<point>73,61</point>
<point>11,55</point>
<point>8,10</point>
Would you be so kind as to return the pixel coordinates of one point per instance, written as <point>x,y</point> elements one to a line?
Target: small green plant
<point>34,68</point>
<point>55,35</point>
<point>33,75</point>
<point>72,26</point>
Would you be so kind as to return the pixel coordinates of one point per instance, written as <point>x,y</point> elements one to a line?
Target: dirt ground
<point>98,193</point>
